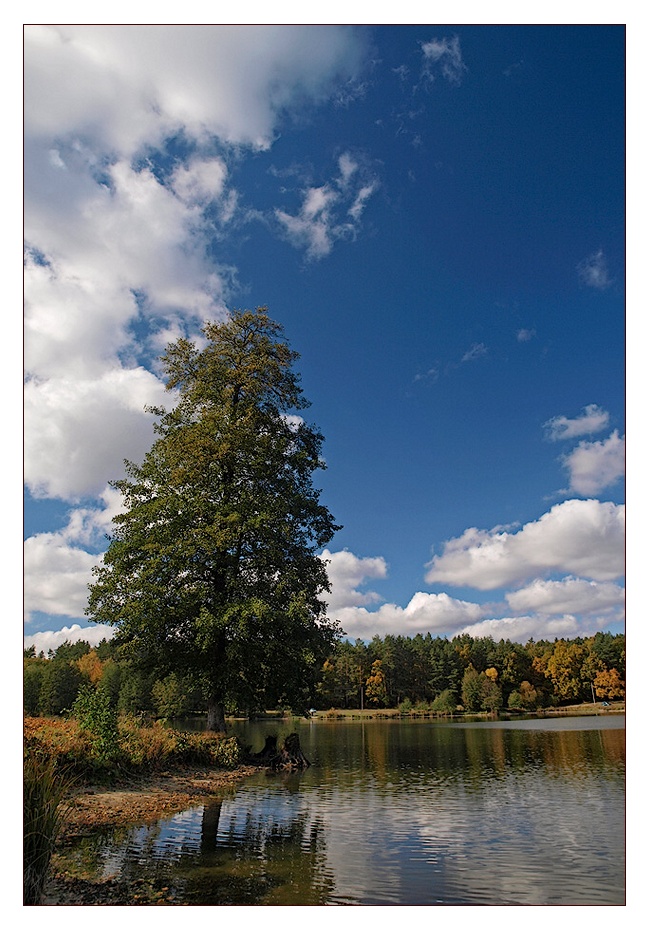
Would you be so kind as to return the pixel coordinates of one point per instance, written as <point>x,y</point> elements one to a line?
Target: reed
<point>44,788</point>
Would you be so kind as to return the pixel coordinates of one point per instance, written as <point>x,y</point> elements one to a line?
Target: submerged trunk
<point>216,721</point>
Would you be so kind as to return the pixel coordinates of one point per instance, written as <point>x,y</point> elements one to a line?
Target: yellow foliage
<point>608,685</point>
<point>91,666</point>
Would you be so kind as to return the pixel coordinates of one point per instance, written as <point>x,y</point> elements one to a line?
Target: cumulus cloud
<point>593,271</point>
<point>329,212</point>
<point>544,609</point>
<point>359,616</point>
<point>347,573</point>
<point>51,639</point>
<point>569,595</point>
<point>78,433</point>
<point>127,86</point>
<point>594,419</point>
<point>523,628</point>
<point>56,575</point>
<point>595,465</point>
<point>58,565</point>
<point>581,537</point>
<point>443,55</point>
<point>435,613</point>
<point>117,261</point>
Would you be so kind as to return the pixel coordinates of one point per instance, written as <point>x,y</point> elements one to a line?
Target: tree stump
<point>289,758</point>
<point>268,753</point>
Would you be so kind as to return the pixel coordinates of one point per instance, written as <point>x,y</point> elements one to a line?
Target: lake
<point>396,812</point>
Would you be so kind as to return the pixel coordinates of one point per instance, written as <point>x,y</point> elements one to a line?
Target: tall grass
<point>43,790</point>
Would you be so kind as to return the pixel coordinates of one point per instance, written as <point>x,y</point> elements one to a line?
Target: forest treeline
<point>415,674</point>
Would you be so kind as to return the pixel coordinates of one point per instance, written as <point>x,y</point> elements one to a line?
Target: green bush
<point>92,708</point>
<point>444,703</point>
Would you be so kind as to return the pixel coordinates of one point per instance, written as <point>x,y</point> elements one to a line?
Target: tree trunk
<point>216,721</point>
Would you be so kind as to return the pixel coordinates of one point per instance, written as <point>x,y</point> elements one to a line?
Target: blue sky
<point>435,214</point>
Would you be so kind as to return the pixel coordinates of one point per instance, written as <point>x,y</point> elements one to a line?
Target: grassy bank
<point>144,771</point>
<point>133,750</point>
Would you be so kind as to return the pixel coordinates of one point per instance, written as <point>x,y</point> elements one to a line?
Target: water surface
<point>394,812</point>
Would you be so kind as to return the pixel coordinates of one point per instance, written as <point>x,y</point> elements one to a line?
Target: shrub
<point>136,748</point>
<point>148,747</point>
<point>405,707</point>
<point>60,740</point>
<point>444,703</point>
<point>92,708</point>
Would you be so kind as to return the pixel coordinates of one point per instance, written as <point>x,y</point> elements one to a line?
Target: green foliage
<point>60,685</point>
<point>212,569</point>
<point>472,690</point>
<point>33,674</point>
<point>491,696</point>
<point>444,703</point>
<point>526,697</point>
<point>536,675</point>
<point>170,697</point>
<point>92,708</point>
<point>44,788</point>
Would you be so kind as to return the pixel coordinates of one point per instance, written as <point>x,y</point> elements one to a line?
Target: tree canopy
<point>213,567</point>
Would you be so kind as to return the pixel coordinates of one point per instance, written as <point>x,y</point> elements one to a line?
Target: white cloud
<point>127,86</point>
<point>593,271</point>
<point>445,55</point>
<point>581,537</point>
<point>56,576</point>
<point>477,350</point>
<point>330,212</point>
<point>525,335</point>
<point>570,595</point>
<point>523,628</point>
<point>117,259</point>
<point>57,566</point>
<point>594,419</point>
<point>347,167</point>
<point>44,641</point>
<point>346,573</point>
<point>425,612</point>
<point>596,465</point>
<point>78,433</point>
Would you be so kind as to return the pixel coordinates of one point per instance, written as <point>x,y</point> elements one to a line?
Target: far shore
<point>579,709</point>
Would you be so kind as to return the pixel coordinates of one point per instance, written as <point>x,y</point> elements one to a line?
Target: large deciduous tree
<point>212,569</point>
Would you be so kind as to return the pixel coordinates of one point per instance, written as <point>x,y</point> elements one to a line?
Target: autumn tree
<point>376,691</point>
<point>608,685</point>
<point>212,568</point>
<point>564,668</point>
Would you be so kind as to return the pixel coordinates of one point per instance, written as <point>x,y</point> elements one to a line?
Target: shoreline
<point>93,808</point>
<point>148,798</point>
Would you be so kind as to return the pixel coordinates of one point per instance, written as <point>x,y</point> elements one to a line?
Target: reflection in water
<point>404,813</point>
